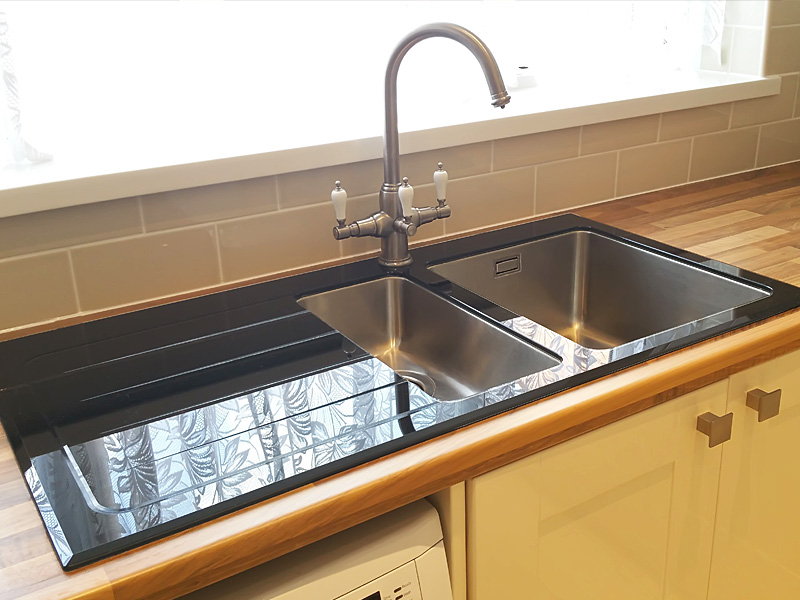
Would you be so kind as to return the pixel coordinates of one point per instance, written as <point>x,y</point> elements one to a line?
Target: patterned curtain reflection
<point>153,473</point>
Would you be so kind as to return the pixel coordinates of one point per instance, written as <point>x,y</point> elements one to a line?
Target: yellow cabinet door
<point>757,536</point>
<point>625,512</point>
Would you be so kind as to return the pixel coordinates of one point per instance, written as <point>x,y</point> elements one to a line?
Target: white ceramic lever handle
<point>339,199</point>
<point>440,180</point>
<point>406,193</point>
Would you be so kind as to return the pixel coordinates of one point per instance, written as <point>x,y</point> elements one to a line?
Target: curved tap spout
<point>500,97</point>
<point>393,224</point>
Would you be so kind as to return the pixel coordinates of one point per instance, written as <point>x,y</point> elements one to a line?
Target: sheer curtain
<point>16,148</point>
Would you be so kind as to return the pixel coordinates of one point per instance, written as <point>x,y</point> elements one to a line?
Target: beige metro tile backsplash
<point>614,135</point>
<point>575,182</point>
<point>694,121</point>
<point>36,288</point>
<point>785,12</point>
<point>143,267</point>
<point>303,188</point>
<point>536,148</point>
<point>780,142</point>
<point>783,50</point>
<point>718,154</point>
<point>459,161</point>
<point>487,199</point>
<point>209,203</point>
<point>653,167</point>
<point>769,108</point>
<point>64,227</point>
<point>273,242</point>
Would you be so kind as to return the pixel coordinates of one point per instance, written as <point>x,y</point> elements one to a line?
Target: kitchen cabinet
<point>643,508</point>
<point>757,537</point>
<point>623,512</point>
<point>451,506</point>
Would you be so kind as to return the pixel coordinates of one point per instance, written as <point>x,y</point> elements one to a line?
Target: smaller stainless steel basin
<point>448,351</point>
<point>599,291</point>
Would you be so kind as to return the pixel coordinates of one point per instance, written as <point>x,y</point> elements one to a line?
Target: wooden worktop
<point>750,220</point>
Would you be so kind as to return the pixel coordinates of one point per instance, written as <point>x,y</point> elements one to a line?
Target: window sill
<point>123,172</point>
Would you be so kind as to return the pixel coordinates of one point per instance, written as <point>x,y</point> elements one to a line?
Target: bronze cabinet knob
<point>767,404</point>
<point>718,429</point>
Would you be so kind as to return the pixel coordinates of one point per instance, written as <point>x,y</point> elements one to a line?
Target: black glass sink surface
<point>133,427</point>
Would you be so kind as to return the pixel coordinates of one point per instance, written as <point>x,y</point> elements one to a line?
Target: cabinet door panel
<point>757,537</point>
<point>624,512</point>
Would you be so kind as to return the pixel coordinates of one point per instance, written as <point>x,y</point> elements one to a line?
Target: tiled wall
<point>87,258</point>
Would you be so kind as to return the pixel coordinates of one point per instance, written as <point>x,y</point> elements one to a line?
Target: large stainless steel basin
<point>597,290</point>
<point>448,351</point>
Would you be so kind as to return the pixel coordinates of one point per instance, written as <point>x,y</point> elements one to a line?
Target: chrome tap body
<point>389,224</point>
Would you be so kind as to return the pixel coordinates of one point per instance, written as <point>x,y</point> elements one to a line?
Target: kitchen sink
<point>600,291</point>
<point>446,350</point>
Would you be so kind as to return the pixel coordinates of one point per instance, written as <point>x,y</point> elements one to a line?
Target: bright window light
<point>101,77</point>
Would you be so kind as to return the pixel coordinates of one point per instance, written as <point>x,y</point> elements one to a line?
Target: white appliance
<point>397,556</point>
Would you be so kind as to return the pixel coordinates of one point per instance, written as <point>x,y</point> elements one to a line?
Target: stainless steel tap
<point>397,219</point>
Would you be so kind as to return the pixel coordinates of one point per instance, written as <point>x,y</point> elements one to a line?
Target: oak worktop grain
<point>750,220</point>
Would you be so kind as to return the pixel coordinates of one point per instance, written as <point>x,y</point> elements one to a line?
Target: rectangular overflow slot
<point>504,266</point>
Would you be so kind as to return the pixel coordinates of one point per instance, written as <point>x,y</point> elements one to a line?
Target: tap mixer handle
<point>440,180</point>
<point>339,199</point>
<point>406,193</point>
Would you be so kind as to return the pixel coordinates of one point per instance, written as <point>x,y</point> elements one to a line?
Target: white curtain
<point>16,149</point>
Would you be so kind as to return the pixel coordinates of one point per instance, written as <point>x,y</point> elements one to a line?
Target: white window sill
<point>95,175</point>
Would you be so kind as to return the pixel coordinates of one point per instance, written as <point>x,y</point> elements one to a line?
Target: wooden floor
<point>750,221</point>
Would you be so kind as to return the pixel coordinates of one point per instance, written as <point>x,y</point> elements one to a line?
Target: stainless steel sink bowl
<point>596,290</point>
<point>448,351</point>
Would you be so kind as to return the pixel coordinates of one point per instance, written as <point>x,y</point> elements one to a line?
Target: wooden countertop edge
<point>231,544</point>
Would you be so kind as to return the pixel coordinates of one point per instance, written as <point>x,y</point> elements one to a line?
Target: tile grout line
<point>535,182</point>
<point>277,194</point>
<point>758,148</point>
<point>34,254</point>
<point>691,156</point>
<point>658,130</point>
<point>141,214</point>
<point>125,238</point>
<point>219,254</point>
<point>796,98</point>
<point>616,173</point>
<point>580,141</point>
<point>74,280</point>
<point>491,156</point>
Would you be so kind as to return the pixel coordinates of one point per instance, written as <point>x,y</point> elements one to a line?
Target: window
<point>138,79</point>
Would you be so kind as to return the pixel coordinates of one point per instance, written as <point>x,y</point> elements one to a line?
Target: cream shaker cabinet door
<point>757,535</point>
<point>625,512</point>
